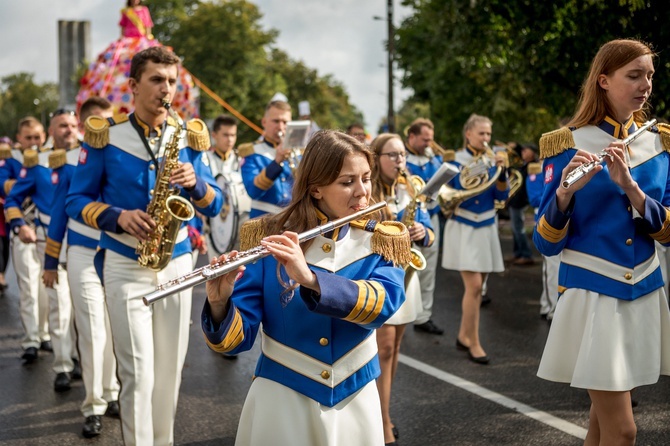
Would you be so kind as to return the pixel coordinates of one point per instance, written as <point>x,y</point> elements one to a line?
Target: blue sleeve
<point>7,175</point>
<point>22,189</point>
<point>206,195</point>
<point>422,216</point>
<point>58,224</point>
<point>257,178</point>
<point>534,188</point>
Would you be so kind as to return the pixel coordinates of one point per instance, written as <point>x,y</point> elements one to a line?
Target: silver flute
<point>252,255</point>
<point>577,174</point>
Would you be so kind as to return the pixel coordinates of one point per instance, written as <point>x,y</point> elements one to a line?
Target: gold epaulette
<point>534,168</point>
<point>558,141</point>
<point>57,159</point>
<point>390,240</point>
<point>120,118</point>
<point>5,151</point>
<point>251,233</point>
<point>246,149</point>
<point>97,132</point>
<point>197,135</point>
<point>664,131</point>
<point>449,156</point>
<point>30,158</point>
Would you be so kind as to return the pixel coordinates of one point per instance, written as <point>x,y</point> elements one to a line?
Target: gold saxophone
<point>167,208</point>
<point>414,186</point>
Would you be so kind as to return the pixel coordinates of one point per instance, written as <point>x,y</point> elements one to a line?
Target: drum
<point>224,228</point>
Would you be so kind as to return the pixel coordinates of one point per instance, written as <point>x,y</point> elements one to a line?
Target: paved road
<point>440,397</point>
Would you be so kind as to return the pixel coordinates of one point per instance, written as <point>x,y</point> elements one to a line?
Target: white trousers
<point>33,299</point>
<point>427,276</point>
<point>61,323</point>
<point>150,345</point>
<point>663,253</point>
<point>549,296</point>
<point>98,364</point>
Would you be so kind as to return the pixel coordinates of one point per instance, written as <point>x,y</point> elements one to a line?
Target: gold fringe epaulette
<point>97,132</point>
<point>246,149</point>
<point>5,151</point>
<point>30,158</point>
<point>449,156</point>
<point>197,135</point>
<point>57,159</point>
<point>390,240</point>
<point>251,233</point>
<point>555,142</point>
<point>534,168</point>
<point>664,131</point>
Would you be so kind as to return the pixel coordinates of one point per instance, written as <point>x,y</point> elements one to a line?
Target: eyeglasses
<point>393,156</point>
<point>62,111</point>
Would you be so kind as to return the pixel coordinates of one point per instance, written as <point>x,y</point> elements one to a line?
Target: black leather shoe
<point>485,300</point>
<point>92,426</point>
<point>229,357</point>
<point>46,346</point>
<point>483,360</point>
<point>461,346</point>
<point>76,371</point>
<point>429,327</point>
<point>62,382</point>
<point>396,432</point>
<point>29,355</point>
<point>113,409</point>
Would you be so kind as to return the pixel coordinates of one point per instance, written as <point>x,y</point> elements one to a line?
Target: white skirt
<point>412,306</point>
<point>598,342</point>
<point>466,248</point>
<point>275,415</point>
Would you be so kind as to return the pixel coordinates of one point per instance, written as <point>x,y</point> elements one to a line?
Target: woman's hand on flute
<point>563,195</point>
<point>619,169</point>
<point>285,248</point>
<point>221,288</point>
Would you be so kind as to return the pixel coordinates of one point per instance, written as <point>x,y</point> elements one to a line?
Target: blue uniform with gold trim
<point>333,333</point>
<point>628,268</point>
<point>398,201</point>
<point>120,176</point>
<point>424,166</point>
<point>9,172</point>
<point>268,184</point>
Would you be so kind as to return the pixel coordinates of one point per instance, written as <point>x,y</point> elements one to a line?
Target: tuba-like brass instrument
<point>414,186</point>
<point>167,208</point>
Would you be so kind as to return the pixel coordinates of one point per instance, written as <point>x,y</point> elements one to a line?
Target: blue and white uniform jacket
<point>35,181</point>
<point>479,210</point>
<point>78,234</point>
<point>424,166</point>
<point>10,167</point>
<point>116,173</point>
<point>398,198</point>
<point>605,245</point>
<point>322,346</point>
<point>268,184</point>
<point>534,185</point>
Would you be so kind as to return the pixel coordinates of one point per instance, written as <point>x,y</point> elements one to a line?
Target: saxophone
<point>167,208</point>
<point>414,185</point>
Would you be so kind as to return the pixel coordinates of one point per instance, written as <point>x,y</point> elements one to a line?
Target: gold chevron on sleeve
<point>207,199</point>
<point>234,337</point>
<point>8,186</point>
<point>53,248</point>
<point>663,236</point>
<point>92,211</point>
<point>262,181</point>
<point>12,213</point>
<point>371,297</point>
<point>549,233</point>
<point>380,297</point>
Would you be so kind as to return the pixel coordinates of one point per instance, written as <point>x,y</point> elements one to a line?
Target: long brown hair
<point>593,104</point>
<point>377,145</point>
<point>320,166</point>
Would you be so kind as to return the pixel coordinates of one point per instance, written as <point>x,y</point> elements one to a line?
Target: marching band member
<point>35,181</point>
<point>266,173</point>
<point>394,188</point>
<point>611,327</point>
<point>94,338</point>
<point>471,243</point>
<point>315,378</point>
<point>110,190</point>
<point>422,161</point>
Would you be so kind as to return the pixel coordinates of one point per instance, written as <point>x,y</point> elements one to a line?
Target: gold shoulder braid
<point>97,132</point>
<point>246,149</point>
<point>57,159</point>
<point>534,168</point>
<point>664,130</point>
<point>449,155</point>
<point>251,233</point>
<point>390,240</point>
<point>555,142</point>
<point>197,135</point>
<point>30,158</point>
<point>5,151</point>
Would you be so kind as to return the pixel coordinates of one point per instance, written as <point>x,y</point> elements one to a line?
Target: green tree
<point>20,96</point>
<point>521,62</point>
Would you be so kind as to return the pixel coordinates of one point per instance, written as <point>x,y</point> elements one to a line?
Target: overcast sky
<point>337,37</point>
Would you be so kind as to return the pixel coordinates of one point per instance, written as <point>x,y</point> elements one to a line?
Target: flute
<point>585,168</point>
<point>252,255</point>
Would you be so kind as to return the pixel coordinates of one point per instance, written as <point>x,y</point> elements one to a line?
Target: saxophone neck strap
<point>140,132</point>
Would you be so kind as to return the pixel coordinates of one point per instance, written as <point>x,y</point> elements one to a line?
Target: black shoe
<point>229,357</point>
<point>113,409</point>
<point>62,382</point>
<point>92,426</point>
<point>29,355</point>
<point>76,370</point>
<point>395,431</point>
<point>461,346</point>
<point>483,360</point>
<point>429,327</point>
<point>485,300</point>
<point>46,346</point>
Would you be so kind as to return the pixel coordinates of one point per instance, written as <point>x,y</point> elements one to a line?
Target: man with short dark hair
<point>357,131</point>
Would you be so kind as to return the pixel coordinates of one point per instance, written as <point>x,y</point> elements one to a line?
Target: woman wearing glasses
<point>471,243</point>
<point>391,185</point>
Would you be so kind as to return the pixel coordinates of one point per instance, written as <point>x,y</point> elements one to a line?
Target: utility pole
<point>389,21</point>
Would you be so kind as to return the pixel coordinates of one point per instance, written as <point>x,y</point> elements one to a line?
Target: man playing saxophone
<point>119,171</point>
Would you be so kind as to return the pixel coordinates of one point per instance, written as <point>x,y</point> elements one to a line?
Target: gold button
<point>326,247</point>
<point>629,242</point>
<point>152,141</point>
<point>152,166</point>
<point>628,208</point>
<point>628,276</point>
<point>325,374</point>
<point>476,201</point>
<point>151,192</point>
<point>323,341</point>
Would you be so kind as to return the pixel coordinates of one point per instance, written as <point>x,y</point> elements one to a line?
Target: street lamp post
<point>390,116</point>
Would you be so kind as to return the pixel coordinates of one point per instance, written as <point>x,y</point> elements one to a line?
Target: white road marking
<point>531,412</point>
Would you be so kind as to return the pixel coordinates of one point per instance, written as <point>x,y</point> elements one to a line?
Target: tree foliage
<point>224,45</point>
<point>20,96</point>
<point>520,62</point>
